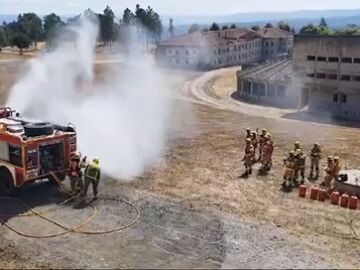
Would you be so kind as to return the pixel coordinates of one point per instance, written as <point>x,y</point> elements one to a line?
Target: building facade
<point>216,49</point>
<point>268,84</point>
<point>327,72</point>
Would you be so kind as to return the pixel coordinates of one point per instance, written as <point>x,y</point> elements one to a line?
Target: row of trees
<point>30,28</point>
<point>321,29</point>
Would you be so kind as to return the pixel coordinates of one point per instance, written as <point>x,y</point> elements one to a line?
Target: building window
<point>356,78</point>
<point>310,75</point>
<point>357,60</point>
<point>187,52</point>
<point>227,50</point>
<point>346,60</point>
<point>320,75</point>
<point>335,98</point>
<point>343,98</point>
<point>177,52</point>
<point>177,61</point>
<point>272,43</point>
<point>187,61</point>
<point>170,51</point>
<point>281,91</point>
<point>321,59</point>
<point>219,51</point>
<point>15,155</point>
<point>215,52</point>
<point>345,77</point>
<point>332,76</point>
<point>311,58</point>
<point>267,44</point>
<point>333,59</point>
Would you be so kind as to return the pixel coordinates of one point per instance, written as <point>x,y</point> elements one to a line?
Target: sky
<point>172,7</point>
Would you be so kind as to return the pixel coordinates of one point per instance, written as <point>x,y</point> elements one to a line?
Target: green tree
<point>309,29</point>
<point>21,41</point>
<point>325,31</point>
<point>255,27</point>
<point>3,39</point>
<point>284,26</point>
<point>52,23</point>
<point>225,27</point>
<point>269,25</point>
<point>233,26</point>
<point>350,30</point>
<point>214,27</point>
<point>31,26</point>
<point>128,17</point>
<point>107,25</point>
<point>171,27</point>
<point>194,28</point>
<point>323,22</point>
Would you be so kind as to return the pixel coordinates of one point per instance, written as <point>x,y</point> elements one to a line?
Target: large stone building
<point>327,72</point>
<point>268,84</point>
<point>216,49</point>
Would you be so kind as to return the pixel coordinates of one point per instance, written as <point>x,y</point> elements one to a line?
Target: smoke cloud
<point>122,119</point>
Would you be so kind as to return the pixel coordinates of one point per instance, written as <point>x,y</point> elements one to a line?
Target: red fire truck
<point>32,150</point>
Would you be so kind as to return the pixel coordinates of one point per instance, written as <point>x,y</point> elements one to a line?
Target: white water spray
<point>122,120</point>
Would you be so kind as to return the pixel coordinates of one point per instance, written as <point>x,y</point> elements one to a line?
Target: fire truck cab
<point>32,150</point>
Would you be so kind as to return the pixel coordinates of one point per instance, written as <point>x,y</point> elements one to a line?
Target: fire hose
<point>66,229</point>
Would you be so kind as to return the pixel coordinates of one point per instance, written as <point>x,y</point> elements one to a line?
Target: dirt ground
<point>195,210</point>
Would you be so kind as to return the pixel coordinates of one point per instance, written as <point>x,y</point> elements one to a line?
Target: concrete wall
<point>272,93</point>
<point>330,66</point>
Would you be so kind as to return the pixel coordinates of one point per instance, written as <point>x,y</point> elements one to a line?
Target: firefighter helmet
<point>330,158</point>
<point>292,153</point>
<point>336,158</point>
<point>248,140</point>
<point>96,161</point>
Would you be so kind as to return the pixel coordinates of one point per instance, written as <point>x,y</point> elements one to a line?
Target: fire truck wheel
<point>7,186</point>
<point>38,129</point>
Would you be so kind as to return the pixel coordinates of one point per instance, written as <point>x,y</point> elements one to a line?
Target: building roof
<point>221,37</point>
<point>274,33</point>
<point>279,71</point>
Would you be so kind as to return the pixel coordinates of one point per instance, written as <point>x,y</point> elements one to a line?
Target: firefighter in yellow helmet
<point>337,167</point>
<point>315,156</point>
<point>297,145</point>
<point>289,173</point>
<point>262,141</point>
<point>92,175</point>
<point>329,172</point>
<point>300,160</point>
<point>249,153</point>
<point>266,162</point>
<point>75,174</point>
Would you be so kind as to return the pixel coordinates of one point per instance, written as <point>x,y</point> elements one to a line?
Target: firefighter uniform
<point>297,145</point>
<point>315,156</point>
<point>329,172</point>
<point>262,141</point>
<point>249,153</point>
<point>75,174</point>
<point>92,176</point>
<point>254,142</point>
<point>289,173</point>
<point>300,160</point>
<point>337,168</point>
<point>267,154</point>
<point>248,133</point>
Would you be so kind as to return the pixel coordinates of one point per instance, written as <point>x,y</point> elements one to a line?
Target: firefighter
<point>289,174</point>
<point>75,174</point>
<point>249,150</point>
<point>337,168</point>
<point>329,172</point>
<point>315,156</point>
<point>267,154</point>
<point>92,176</point>
<point>297,145</point>
<point>248,133</point>
<point>262,141</point>
<point>254,142</point>
<point>300,160</point>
